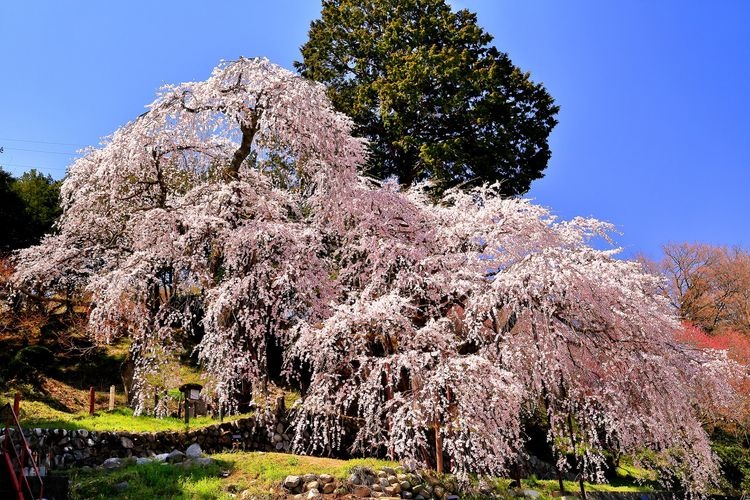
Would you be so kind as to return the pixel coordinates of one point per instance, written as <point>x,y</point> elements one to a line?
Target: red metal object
<point>15,453</point>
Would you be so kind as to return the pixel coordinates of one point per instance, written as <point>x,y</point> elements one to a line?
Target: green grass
<point>39,414</point>
<point>274,467</point>
<point>258,473</point>
<point>154,480</point>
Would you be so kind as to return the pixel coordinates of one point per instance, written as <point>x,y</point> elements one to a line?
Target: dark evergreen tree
<point>41,199</point>
<point>29,207</point>
<point>11,214</point>
<point>434,97</point>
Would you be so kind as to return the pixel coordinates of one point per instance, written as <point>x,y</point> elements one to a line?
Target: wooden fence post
<point>438,447</point>
<point>91,400</point>
<point>17,404</point>
<point>111,397</point>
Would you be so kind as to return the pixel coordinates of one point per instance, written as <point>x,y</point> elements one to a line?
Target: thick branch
<point>248,133</point>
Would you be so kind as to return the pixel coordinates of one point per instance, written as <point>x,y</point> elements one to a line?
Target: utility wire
<point>44,142</point>
<point>40,151</point>
<point>37,167</point>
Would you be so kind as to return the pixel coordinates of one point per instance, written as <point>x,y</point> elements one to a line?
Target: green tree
<point>41,199</point>
<point>11,213</point>
<point>29,207</point>
<point>435,99</point>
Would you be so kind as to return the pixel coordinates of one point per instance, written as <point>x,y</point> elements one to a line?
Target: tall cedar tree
<point>435,99</point>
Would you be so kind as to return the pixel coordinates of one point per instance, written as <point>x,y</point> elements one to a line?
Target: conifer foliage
<point>232,211</point>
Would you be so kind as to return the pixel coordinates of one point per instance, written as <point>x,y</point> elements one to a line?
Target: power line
<point>40,151</point>
<point>44,142</point>
<point>38,167</point>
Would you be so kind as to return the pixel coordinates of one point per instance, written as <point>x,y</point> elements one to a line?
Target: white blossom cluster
<point>232,211</point>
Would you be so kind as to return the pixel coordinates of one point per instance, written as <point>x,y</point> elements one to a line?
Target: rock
<point>162,457</point>
<point>121,486</point>
<point>314,493</point>
<point>382,474</point>
<point>194,451</point>
<point>388,470</point>
<point>325,478</point>
<point>112,463</point>
<point>438,491</point>
<point>312,485</point>
<point>329,488</point>
<point>143,460</point>
<point>383,482</point>
<point>391,490</point>
<point>407,494</point>
<point>175,456</point>
<point>280,428</point>
<point>309,478</point>
<point>291,482</point>
<point>361,492</point>
<point>530,493</point>
<point>405,485</point>
<point>203,461</point>
<point>400,470</point>
<point>392,479</point>
<point>83,433</point>
<point>340,491</point>
<point>126,442</point>
<point>354,479</point>
<point>484,487</point>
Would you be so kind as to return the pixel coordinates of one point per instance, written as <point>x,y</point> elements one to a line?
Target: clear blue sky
<point>654,129</point>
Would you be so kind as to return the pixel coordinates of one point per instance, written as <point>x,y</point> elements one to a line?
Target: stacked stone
<point>60,448</point>
<point>313,485</point>
<point>386,482</point>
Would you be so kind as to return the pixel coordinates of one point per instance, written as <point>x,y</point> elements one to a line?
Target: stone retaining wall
<point>60,449</point>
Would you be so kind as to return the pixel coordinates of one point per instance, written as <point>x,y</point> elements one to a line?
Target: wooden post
<point>187,409</point>
<point>17,404</point>
<point>280,408</point>
<point>91,400</point>
<point>579,462</point>
<point>560,483</point>
<point>388,397</point>
<point>438,447</point>
<point>111,397</point>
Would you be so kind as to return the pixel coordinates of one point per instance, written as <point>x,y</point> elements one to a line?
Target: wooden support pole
<point>92,399</point>
<point>438,447</point>
<point>111,397</point>
<point>280,407</point>
<point>17,404</point>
